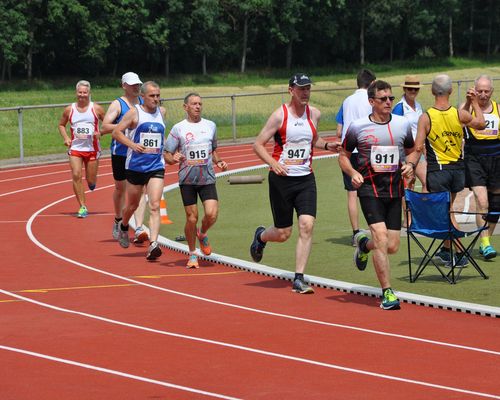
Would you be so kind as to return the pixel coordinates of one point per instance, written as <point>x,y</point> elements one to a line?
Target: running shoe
<point>257,247</point>
<point>154,251</point>
<point>140,235</point>
<point>82,212</point>
<point>192,261</point>
<point>123,238</point>
<point>116,230</point>
<point>488,252</point>
<point>360,257</point>
<point>443,255</point>
<point>460,262</point>
<point>204,243</point>
<point>389,301</point>
<point>299,286</point>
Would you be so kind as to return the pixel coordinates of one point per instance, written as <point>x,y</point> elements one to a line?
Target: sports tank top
<point>444,141</point>
<point>83,126</point>
<point>150,132</point>
<point>293,142</point>
<point>118,148</point>
<point>484,142</point>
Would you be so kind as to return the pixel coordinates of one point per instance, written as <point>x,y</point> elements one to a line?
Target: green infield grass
<point>244,207</point>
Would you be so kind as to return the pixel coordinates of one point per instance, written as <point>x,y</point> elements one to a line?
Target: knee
<point>211,217</point>
<point>306,228</point>
<point>154,206</point>
<point>192,218</point>
<point>393,248</point>
<point>284,234</point>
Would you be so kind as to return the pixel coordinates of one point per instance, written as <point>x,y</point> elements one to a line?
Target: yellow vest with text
<point>444,141</point>
<point>492,120</point>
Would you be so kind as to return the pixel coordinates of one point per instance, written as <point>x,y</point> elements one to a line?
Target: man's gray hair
<point>82,83</point>
<point>189,95</point>
<point>484,77</point>
<point>147,84</point>
<point>441,85</point>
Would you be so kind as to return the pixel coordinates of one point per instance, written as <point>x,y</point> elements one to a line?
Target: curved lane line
<point>250,309</point>
<point>253,350</point>
<point>114,372</point>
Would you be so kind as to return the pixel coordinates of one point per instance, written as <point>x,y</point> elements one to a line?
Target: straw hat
<point>411,81</point>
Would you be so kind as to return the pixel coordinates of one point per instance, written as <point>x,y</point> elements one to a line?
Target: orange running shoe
<point>204,243</point>
<point>192,261</point>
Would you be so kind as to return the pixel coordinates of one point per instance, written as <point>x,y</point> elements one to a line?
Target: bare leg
<point>304,242</point>
<point>154,190</point>
<point>76,164</point>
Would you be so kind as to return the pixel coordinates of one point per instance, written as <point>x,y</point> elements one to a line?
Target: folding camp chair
<point>430,217</point>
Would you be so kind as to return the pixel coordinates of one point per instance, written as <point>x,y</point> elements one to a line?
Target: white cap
<point>131,78</point>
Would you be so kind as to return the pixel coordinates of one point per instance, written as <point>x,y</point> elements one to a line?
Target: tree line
<point>47,38</point>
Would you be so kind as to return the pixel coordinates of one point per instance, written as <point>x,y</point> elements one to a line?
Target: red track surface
<point>164,332</point>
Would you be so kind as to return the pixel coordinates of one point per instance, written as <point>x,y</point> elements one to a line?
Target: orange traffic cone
<point>163,212</point>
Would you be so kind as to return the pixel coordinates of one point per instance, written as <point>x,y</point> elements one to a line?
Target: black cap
<point>299,79</point>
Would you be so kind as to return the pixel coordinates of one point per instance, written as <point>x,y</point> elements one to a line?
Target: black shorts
<point>142,178</point>
<point>347,179</point>
<point>446,180</point>
<point>118,166</point>
<point>382,209</point>
<point>482,171</point>
<point>287,193</point>
<point>190,193</point>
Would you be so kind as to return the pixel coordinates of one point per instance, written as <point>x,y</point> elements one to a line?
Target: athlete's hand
<point>408,172</point>
<point>278,168</point>
<point>178,157</point>
<point>222,165</point>
<point>138,148</point>
<point>67,142</point>
<point>357,180</point>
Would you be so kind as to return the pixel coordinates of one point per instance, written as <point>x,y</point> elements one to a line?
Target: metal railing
<point>233,105</point>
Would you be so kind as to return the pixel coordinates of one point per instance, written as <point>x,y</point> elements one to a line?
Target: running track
<point>81,318</point>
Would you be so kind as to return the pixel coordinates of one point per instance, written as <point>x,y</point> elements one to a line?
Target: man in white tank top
<point>145,165</point>
<point>83,145</point>
<point>291,181</point>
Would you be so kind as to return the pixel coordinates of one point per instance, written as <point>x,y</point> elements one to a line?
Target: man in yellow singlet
<point>440,129</point>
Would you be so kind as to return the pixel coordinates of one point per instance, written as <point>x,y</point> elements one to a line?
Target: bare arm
<point>112,113</point>
<point>346,166</point>
<point>129,121</point>
<point>62,126</point>
<point>423,128</point>
<point>477,121</point>
<point>218,161</point>
<point>270,128</point>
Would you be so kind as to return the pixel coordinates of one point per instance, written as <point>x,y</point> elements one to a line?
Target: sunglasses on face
<point>410,89</point>
<point>384,98</point>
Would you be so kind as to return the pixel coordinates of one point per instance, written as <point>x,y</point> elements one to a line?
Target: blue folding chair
<point>430,217</point>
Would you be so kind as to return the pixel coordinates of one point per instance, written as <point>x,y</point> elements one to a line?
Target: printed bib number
<point>84,131</point>
<point>197,154</point>
<point>491,130</point>
<point>151,142</point>
<point>296,153</point>
<point>384,158</point>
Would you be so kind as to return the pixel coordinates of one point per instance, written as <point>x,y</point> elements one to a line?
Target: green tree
<point>13,35</point>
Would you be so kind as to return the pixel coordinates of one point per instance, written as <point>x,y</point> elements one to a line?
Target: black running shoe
<point>257,248</point>
<point>154,251</point>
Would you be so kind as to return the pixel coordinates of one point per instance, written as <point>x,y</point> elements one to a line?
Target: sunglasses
<point>411,89</point>
<point>384,98</point>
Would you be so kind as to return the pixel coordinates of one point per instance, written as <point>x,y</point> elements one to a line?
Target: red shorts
<point>86,155</point>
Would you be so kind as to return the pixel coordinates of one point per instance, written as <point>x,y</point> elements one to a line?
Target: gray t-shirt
<point>196,141</point>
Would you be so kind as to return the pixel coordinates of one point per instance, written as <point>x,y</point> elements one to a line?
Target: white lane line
<point>254,350</point>
<point>254,310</point>
<point>66,171</point>
<point>118,373</point>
